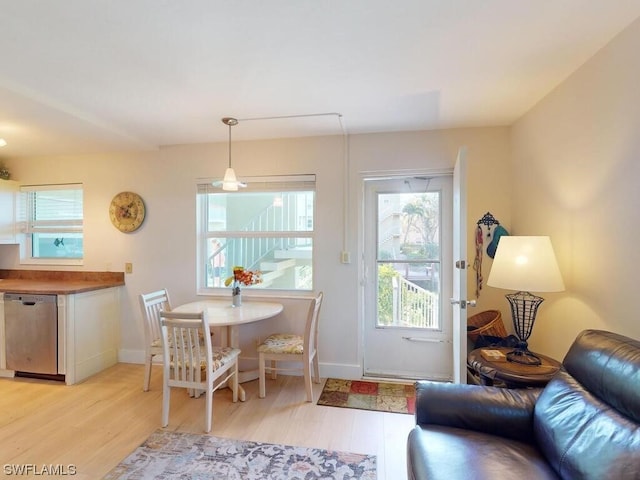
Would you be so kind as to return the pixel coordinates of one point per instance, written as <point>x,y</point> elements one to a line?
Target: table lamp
<point>525,264</point>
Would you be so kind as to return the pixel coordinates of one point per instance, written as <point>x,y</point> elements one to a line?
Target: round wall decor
<point>127,211</point>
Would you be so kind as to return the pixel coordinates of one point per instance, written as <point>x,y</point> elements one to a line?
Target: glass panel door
<point>407,240</point>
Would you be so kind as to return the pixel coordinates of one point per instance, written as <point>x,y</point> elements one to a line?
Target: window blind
<point>51,208</point>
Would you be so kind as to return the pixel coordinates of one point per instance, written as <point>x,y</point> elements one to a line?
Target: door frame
<point>365,275</point>
<point>459,302</point>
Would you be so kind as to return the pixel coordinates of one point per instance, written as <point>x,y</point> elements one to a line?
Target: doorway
<point>407,256</point>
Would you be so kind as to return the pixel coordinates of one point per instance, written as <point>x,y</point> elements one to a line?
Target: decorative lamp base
<point>524,357</point>
<point>524,307</point>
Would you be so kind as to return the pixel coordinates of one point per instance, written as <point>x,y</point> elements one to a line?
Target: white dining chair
<point>190,361</point>
<point>287,347</point>
<point>151,304</point>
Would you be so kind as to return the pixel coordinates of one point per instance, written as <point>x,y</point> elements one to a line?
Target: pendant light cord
<point>230,122</point>
<point>291,116</point>
<point>229,144</point>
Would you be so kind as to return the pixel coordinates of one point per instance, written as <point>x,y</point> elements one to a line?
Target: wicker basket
<point>488,322</point>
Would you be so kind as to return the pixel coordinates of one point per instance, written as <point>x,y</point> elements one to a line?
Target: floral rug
<point>381,396</point>
<point>174,455</point>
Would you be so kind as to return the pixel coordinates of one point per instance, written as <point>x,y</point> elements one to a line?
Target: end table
<point>511,374</point>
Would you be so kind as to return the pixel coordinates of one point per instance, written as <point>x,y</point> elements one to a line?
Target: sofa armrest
<point>499,411</point>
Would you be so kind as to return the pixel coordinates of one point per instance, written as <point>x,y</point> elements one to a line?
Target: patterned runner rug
<point>172,455</point>
<point>381,396</point>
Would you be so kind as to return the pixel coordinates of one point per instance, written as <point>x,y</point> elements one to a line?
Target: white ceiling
<point>81,76</point>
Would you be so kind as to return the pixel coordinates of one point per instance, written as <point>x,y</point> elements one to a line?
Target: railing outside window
<point>413,306</point>
<point>269,227</point>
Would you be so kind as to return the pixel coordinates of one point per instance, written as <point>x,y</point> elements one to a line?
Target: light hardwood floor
<point>95,424</point>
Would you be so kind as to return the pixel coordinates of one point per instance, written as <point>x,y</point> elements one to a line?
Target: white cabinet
<point>88,332</point>
<point>8,190</point>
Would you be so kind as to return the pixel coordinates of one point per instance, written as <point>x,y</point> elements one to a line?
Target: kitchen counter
<point>89,314</point>
<point>57,282</point>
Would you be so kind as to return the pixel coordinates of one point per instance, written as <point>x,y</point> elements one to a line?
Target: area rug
<point>381,396</point>
<point>174,455</point>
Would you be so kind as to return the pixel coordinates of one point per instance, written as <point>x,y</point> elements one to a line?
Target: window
<point>269,226</point>
<point>409,259</point>
<point>51,217</point>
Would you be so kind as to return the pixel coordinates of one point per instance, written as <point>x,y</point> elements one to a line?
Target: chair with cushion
<point>190,361</point>
<point>288,347</point>
<point>151,304</point>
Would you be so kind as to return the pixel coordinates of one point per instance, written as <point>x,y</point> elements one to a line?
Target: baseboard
<point>131,356</point>
<point>327,370</point>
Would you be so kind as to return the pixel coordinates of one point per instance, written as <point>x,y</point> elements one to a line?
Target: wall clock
<point>127,211</point>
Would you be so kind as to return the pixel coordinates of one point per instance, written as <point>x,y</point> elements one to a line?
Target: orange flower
<point>243,277</point>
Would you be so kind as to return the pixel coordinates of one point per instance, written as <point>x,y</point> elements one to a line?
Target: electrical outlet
<point>345,257</point>
<point>128,267</point>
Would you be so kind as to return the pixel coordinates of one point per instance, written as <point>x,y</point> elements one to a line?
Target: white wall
<point>163,249</point>
<point>576,177</point>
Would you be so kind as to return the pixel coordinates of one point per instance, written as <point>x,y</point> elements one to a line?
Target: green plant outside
<point>385,294</point>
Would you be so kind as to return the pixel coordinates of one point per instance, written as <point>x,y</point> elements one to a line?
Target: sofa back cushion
<point>586,420</point>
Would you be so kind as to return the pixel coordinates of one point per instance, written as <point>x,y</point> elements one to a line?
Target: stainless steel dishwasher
<point>31,333</point>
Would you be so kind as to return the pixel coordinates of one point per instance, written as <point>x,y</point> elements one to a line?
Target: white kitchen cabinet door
<point>8,191</point>
<point>88,332</point>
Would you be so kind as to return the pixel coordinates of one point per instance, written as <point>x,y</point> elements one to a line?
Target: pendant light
<point>230,182</point>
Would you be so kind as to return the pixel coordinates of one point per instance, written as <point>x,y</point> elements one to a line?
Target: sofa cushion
<point>435,451</point>
<point>608,365</point>
<point>585,420</point>
<point>497,411</point>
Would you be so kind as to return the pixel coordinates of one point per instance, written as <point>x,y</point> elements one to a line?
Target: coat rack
<point>488,220</point>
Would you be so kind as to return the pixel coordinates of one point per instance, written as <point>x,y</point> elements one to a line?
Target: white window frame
<point>27,227</point>
<point>255,185</point>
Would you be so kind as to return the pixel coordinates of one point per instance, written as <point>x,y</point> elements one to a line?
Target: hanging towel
<point>477,263</point>
<point>498,232</point>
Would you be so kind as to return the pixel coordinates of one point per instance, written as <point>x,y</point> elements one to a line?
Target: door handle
<point>423,339</point>
<point>463,303</point>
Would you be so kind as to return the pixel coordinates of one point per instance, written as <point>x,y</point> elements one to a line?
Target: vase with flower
<point>241,276</point>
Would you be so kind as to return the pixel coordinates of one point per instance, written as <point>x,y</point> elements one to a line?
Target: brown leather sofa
<point>584,424</point>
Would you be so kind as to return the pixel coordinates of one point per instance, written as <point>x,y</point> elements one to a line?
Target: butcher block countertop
<point>57,282</point>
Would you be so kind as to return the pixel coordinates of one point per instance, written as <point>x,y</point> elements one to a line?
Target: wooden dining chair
<point>151,304</point>
<point>287,347</point>
<point>190,361</point>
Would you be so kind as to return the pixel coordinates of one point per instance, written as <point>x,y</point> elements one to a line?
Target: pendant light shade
<point>230,183</point>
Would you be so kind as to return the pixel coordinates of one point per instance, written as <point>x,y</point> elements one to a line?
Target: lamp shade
<point>230,182</point>
<point>525,264</point>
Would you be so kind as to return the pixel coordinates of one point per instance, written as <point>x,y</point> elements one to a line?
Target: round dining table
<point>222,314</point>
